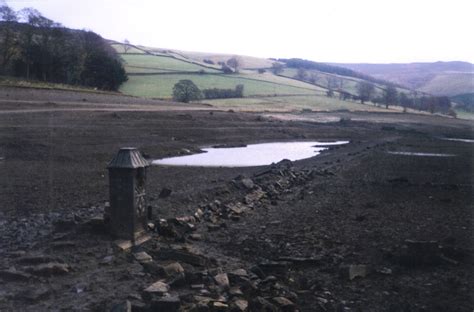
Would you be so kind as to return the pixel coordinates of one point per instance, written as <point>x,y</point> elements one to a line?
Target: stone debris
<point>354,270</point>
<point>239,305</point>
<point>158,288</point>
<point>284,304</point>
<point>142,257</point>
<point>181,255</point>
<point>173,268</point>
<point>236,291</point>
<point>107,260</point>
<point>248,183</point>
<point>219,306</point>
<point>222,280</point>
<point>195,237</point>
<point>254,197</point>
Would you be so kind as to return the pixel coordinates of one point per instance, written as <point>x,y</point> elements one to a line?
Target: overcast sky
<point>372,31</point>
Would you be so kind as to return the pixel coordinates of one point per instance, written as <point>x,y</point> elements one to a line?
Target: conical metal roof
<point>128,157</point>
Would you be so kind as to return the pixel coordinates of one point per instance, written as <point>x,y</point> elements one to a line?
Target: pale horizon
<point>341,31</point>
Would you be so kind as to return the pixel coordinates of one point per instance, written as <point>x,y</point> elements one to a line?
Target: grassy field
<point>465,115</point>
<point>248,62</point>
<point>151,63</point>
<point>449,84</point>
<point>348,84</point>
<point>154,75</point>
<point>161,86</point>
<point>293,103</point>
<point>120,49</point>
<point>36,84</point>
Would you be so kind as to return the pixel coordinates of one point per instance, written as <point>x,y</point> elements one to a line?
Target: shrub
<point>185,91</point>
<point>216,93</point>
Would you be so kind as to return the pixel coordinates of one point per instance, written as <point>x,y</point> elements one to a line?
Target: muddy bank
<point>355,228</point>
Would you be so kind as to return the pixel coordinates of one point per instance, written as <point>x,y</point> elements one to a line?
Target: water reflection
<point>250,155</point>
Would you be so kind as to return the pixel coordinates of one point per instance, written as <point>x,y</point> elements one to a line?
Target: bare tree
<point>277,68</point>
<point>390,96</point>
<point>314,78</point>
<point>126,45</point>
<point>301,74</point>
<point>334,82</point>
<point>235,63</point>
<point>365,90</point>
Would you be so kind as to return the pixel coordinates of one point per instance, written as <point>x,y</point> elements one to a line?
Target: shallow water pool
<point>250,155</point>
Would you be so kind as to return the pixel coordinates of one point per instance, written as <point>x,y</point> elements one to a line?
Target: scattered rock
<point>236,291</point>
<point>142,257</point>
<point>239,305</point>
<point>158,288</point>
<point>284,304</point>
<point>222,281</point>
<point>219,306</point>
<point>254,197</point>
<point>107,260</point>
<point>248,183</point>
<point>195,237</point>
<point>354,270</point>
<point>385,271</point>
<point>173,269</point>
<point>238,276</point>
<point>181,255</point>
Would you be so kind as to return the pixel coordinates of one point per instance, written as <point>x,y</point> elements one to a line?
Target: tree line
<point>330,69</point>
<point>185,91</point>
<point>35,47</point>
<point>391,96</point>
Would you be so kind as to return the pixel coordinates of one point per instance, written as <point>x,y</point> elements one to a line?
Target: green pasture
<point>152,63</point>
<point>120,49</point>
<point>292,103</point>
<point>161,86</point>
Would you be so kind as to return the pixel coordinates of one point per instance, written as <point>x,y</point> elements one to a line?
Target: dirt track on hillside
<point>403,223</point>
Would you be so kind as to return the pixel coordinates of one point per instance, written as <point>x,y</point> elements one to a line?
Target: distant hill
<point>439,78</point>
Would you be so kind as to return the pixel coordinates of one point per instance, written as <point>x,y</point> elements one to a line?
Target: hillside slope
<point>439,78</point>
<point>153,72</point>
